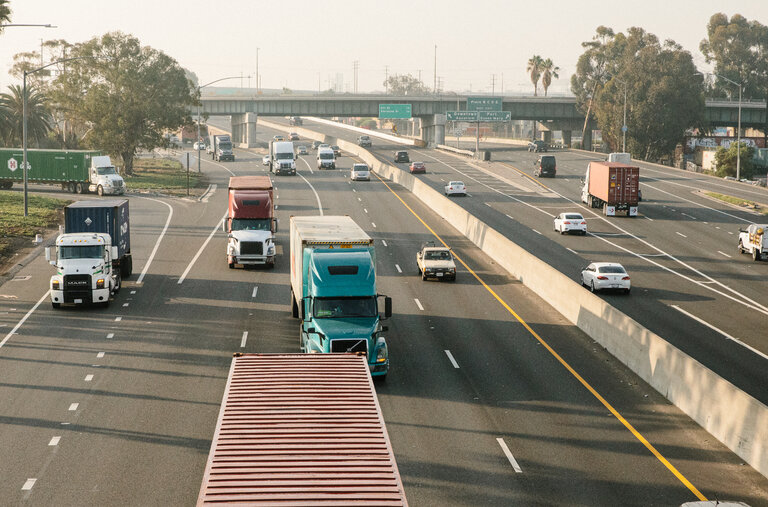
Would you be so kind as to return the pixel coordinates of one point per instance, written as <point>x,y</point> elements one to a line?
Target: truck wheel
<point>380,378</point>
<point>78,188</point>
<point>100,191</point>
<point>423,276</point>
<point>756,254</point>
<point>118,283</point>
<point>71,187</point>
<point>231,265</point>
<point>56,305</point>
<point>126,267</point>
<point>301,341</point>
<point>741,248</point>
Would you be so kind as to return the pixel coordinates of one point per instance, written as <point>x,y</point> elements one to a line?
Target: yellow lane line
<point>562,361</point>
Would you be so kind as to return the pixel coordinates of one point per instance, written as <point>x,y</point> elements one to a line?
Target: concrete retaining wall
<point>730,415</point>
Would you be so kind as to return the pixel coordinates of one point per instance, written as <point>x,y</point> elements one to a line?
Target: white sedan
<point>265,160</point>
<point>570,222</point>
<point>605,275</point>
<point>455,187</point>
<point>198,146</point>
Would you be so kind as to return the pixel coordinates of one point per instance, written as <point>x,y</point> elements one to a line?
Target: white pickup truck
<point>435,262</point>
<point>752,240</point>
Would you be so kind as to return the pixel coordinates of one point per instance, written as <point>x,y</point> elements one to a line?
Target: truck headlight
<point>382,353</point>
<point>100,283</point>
<point>55,285</point>
<point>271,250</point>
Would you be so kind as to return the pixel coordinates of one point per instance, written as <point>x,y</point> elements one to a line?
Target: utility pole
<point>493,84</point>
<point>257,71</point>
<point>318,83</point>
<point>355,67</point>
<point>386,80</point>
<point>41,52</point>
<point>435,88</point>
<point>502,84</point>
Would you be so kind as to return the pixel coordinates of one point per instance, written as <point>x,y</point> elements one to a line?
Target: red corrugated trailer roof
<point>256,182</point>
<point>301,430</point>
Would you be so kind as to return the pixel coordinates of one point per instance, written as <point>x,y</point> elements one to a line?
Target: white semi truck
<point>753,241</point>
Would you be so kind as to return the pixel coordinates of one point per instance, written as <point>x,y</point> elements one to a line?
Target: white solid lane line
<point>319,204</point>
<point>245,337</point>
<point>537,232</point>
<point>451,359</point>
<point>681,234</point>
<point>118,319</point>
<point>383,242</point>
<point>508,453</point>
<point>24,318</point>
<point>418,303</point>
<point>200,250</point>
<point>73,407</point>
<point>397,266</point>
<point>159,238</point>
<point>572,250</point>
<point>28,485</point>
<point>54,441</point>
<point>705,323</point>
<point>100,355</point>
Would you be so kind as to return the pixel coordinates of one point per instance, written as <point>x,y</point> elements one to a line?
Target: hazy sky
<point>302,42</point>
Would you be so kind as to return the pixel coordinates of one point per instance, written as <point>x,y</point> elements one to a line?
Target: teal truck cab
<point>333,289</point>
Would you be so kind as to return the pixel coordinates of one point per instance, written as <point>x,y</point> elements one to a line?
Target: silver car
<point>605,275</point>
<point>360,172</point>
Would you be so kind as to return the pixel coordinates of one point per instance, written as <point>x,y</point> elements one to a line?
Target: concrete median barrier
<point>736,419</point>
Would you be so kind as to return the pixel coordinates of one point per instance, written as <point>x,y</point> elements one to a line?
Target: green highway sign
<point>461,115</point>
<point>494,115</point>
<point>484,103</point>
<point>395,111</point>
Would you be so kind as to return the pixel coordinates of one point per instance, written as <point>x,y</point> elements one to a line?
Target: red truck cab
<point>250,221</point>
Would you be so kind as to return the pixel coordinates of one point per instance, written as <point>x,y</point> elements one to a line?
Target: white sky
<point>302,41</point>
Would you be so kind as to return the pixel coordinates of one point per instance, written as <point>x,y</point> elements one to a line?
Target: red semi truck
<point>250,222</point>
<point>613,187</point>
<point>301,429</point>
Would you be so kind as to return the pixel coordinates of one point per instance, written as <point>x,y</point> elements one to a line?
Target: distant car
<point>323,145</point>
<point>198,146</point>
<point>570,222</point>
<point>360,172</point>
<point>364,141</point>
<point>537,146</point>
<point>278,138</point>
<point>605,275</point>
<point>265,160</point>
<point>455,188</point>
<point>293,136</point>
<point>545,166</point>
<point>301,150</point>
<point>296,120</point>
<point>418,167</point>
<point>401,156</point>
<point>435,262</point>
<point>336,150</point>
<point>315,144</point>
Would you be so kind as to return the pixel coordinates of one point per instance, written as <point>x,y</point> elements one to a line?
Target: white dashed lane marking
<point>28,485</point>
<point>73,407</point>
<point>54,441</point>
<point>451,359</point>
<point>110,336</point>
<point>100,355</point>
<point>88,378</point>
<point>397,266</point>
<point>418,303</point>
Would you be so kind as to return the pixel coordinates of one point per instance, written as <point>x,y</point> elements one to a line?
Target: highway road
<point>690,285</point>
<point>117,406</point>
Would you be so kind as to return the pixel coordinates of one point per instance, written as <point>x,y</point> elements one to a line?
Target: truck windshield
<point>335,308</point>
<point>251,224</point>
<point>284,156</point>
<point>105,170</point>
<point>81,252</point>
<point>326,156</point>
<point>225,146</point>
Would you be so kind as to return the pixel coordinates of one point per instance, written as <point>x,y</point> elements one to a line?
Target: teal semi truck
<point>78,171</point>
<point>333,289</point>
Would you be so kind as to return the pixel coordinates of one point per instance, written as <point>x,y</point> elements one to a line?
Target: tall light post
<point>738,128</point>
<point>17,24</point>
<point>199,102</point>
<point>24,163</point>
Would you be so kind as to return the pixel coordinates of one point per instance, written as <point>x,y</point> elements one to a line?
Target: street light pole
<point>199,102</point>
<point>738,127</point>
<point>624,127</point>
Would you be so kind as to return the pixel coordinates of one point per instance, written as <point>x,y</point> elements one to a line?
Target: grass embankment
<point>744,203</point>
<point>44,213</point>
<point>164,175</point>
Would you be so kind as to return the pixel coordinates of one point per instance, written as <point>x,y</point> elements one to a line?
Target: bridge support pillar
<point>547,136</point>
<point>244,130</point>
<point>433,129</point>
<point>567,138</point>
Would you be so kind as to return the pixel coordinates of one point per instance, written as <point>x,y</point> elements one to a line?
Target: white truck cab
<point>84,271</point>
<point>753,241</point>
<point>104,178</point>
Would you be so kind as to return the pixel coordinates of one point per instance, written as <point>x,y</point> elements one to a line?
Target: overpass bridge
<point>554,113</point>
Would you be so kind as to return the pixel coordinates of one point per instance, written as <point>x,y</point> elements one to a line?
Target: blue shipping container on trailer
<point>107,216</point>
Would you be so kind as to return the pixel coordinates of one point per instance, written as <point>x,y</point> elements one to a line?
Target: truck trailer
<point>220,146</point>
<point>250,223</point>
<point>93,255</point>
<point>613,187</point>
<point>333,289</point>
<point>301,429</point>
<point>77,171</point>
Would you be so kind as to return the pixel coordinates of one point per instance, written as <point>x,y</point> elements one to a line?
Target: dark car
<point>315,144</point>
<point>293,136</point>
<point>336,150</point>
<point>402,156</point>
<point>418,167</point>
<point>537,146</point>
<point>545,166</point>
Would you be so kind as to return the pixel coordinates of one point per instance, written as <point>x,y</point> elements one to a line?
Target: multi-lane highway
<point>117,406</point>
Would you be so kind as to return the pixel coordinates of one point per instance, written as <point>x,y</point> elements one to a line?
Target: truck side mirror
<point>387,307</point>
<point>274,224</point>
<point>224,225</point>
<point>113,251</point>
<point>48,253</point>
<point>384,329</point>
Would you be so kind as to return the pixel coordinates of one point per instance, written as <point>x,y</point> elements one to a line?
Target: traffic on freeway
<point>491,396</point>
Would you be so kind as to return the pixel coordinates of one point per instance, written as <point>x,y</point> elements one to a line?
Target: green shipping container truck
<point>68,168</point>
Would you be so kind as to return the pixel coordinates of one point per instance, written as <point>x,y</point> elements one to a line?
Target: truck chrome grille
<point>350,345</point>
<point>77,282</point>
<point>251,248</point>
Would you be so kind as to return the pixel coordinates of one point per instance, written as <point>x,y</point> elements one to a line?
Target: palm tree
<point>549,71</point>
<point>38,115</point>
<point>5,13</point>
<point>534,69</point>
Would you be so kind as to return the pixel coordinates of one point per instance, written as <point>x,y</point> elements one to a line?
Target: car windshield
<point>251,224</point>
<point>437,255</point>
<point>81,252</point>
<point>610,269</point>
<point>335,308</point>
<point>358,167</point>
<point>574,217</point>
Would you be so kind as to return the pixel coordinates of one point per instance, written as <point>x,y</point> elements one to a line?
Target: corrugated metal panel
<point>301,429</point>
